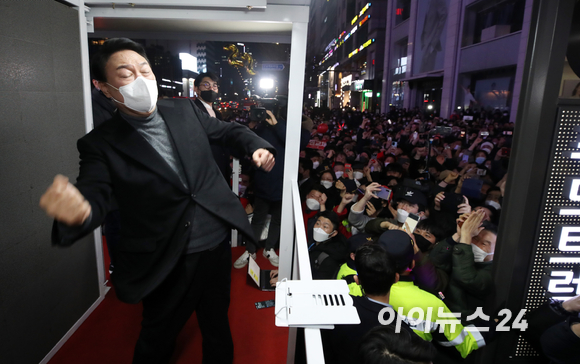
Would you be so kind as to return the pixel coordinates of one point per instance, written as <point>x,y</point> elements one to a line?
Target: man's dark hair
<point>436,228</point>
<point>330,215</point>
<point>489,226</point>
<point>384,345</point>
<point>395,167</point>
<point>306,164</point>
<point>201,76</point>
<point>375,269</point>
<point>110,47</point>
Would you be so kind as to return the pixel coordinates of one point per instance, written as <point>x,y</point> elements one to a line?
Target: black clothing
<point>327,257</point>
<point>550,334</point>
<point>341,344</point>
<point>221,154</point>
<point>158,214</point>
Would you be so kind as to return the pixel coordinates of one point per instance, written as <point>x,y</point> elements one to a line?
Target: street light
<point>266,83</point>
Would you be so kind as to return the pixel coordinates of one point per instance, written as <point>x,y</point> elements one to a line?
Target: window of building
<point>402,11</point>
<point>399,60</point>
<point>487,20</point>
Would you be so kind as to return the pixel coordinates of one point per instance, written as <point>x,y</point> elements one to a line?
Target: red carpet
<point>110,332</point>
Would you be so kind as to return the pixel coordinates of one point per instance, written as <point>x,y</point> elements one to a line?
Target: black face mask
<point>209,95</point>
<point>422,243</point>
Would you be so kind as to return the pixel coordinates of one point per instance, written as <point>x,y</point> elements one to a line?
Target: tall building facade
<point>346,54</point>
<point>447,55</point>
<point>437,55</point>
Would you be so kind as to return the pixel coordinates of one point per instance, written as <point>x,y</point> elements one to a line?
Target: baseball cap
<point>487,147</point>
<point>399,245</point>
<point>412,196</point>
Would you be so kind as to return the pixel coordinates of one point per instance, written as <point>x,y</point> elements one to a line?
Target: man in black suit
<point>206,87</point>
<point>376,274</point>
<point>176,209</point>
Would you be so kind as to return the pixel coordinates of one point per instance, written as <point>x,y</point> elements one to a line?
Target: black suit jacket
<point>156,209</point>
<point>221,154</point>
<point>341,344</point>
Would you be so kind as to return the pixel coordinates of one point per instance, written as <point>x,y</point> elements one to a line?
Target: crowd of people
<point>365,181</point>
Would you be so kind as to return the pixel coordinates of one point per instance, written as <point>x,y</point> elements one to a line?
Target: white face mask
<point>241,189</point>
<point>402,215</point>
<point>358,175</point>
<point>312,204</point>
<point>315,164</point>
<point>326,184</point>
<point>339,174</point>
<point>320,235</point>
<point>493,204</point>
<point>479,254</point>
<point>140,95</point>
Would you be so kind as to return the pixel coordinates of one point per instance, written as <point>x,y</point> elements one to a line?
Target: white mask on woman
<point>326,184</point>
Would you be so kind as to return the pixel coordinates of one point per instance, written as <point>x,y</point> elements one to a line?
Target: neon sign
<point>340,40</point>
<point>365,44</point>
<point>556,264</point>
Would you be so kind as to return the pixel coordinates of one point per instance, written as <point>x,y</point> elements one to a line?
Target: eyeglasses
<point>209,85</point>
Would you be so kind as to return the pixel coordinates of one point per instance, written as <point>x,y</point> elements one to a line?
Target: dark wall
<point>43,290</point>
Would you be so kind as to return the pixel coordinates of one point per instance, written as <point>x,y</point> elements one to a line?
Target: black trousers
<point>262,208</point>
<point>200,282</point>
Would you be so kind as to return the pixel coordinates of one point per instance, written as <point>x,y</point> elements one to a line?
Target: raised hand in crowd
<point>371,210</point>
<point>471,226</point>
<point>438,199</point>
<point>465,207</point>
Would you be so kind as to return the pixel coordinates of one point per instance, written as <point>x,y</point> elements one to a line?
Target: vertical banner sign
<point>556,260</point>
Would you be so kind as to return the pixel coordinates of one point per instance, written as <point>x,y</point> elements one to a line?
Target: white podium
<point>314,304</point>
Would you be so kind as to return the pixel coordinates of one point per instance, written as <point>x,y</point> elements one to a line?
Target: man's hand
<point>347,198</point>
<point>572,304</point>
<point>65,203</point>
<point>472,226</point>
<point>371,210</point>
<point>271,119</point>
<point>440,197</point>
<point>370,191</point>
<point>451,177</point>
<point>264,159</point>
<point>465,207</point>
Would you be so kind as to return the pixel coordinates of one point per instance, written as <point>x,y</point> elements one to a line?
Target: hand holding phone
<point>411,223</point>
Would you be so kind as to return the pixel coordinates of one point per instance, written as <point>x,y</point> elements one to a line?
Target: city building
<point>448,55</point>
<point>345,68</point>
<point>441,56</point>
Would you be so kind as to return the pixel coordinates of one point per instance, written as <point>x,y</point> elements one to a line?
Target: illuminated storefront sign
<point>345,81</point>
<point>365,44</point>
<point>358,85</point>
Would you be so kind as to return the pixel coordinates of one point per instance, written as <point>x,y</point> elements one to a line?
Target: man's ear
<point>396,278</point>
<point>333,234</point>
<point>357,281</point>
<point>352,255</point>
<point>104,88</point>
